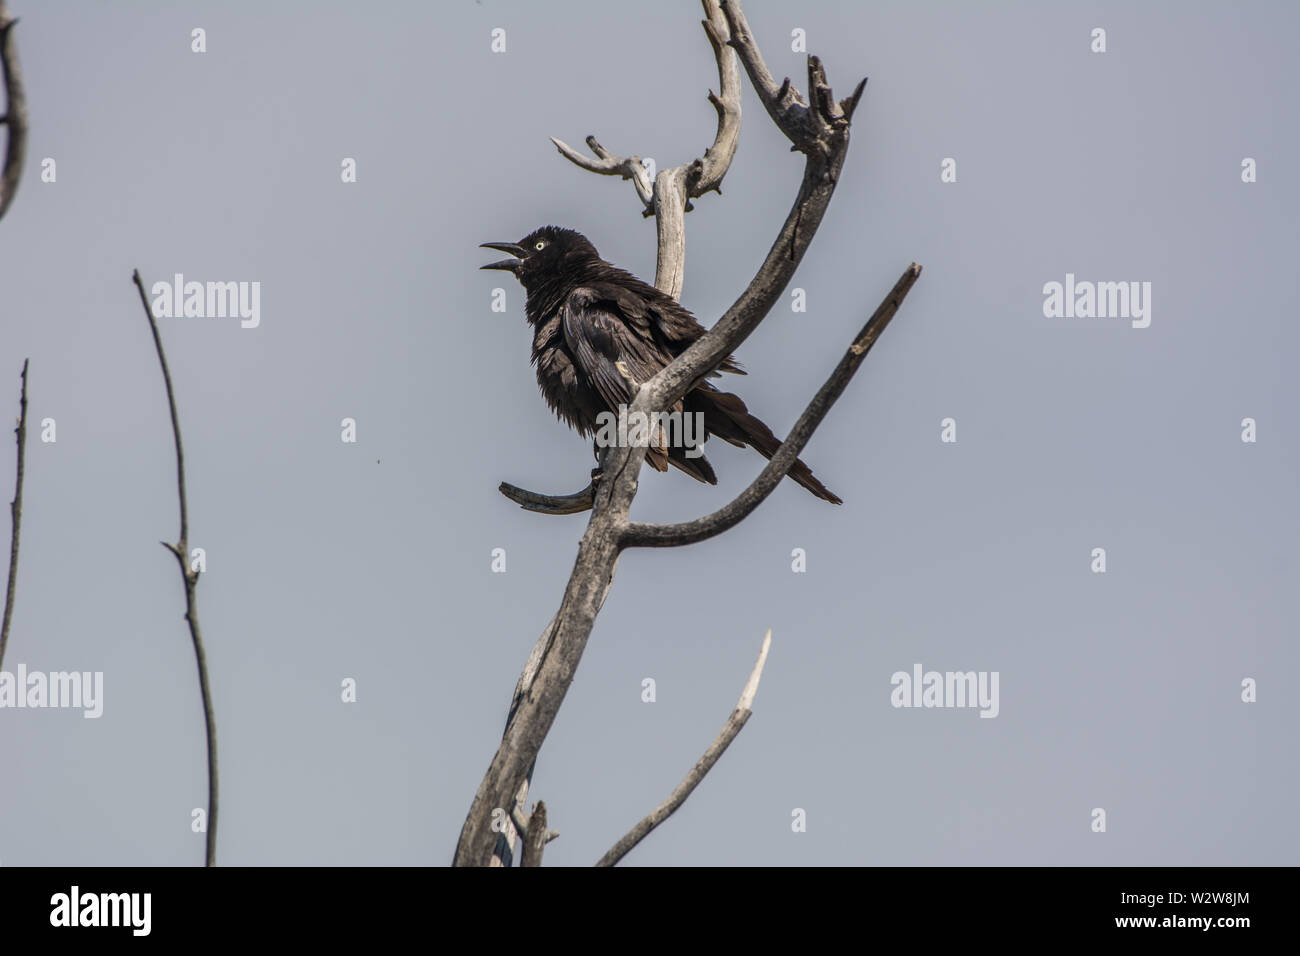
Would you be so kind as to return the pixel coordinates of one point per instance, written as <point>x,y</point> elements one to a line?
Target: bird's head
<point>543,254</point>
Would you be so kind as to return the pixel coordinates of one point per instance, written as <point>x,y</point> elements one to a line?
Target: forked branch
<point>672,535</point>
<point>668,198</point>
<point>607,164</point>
<point>821,132</point>
<point>809,128</point>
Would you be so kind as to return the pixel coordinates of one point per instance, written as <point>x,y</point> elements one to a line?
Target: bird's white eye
<point>540,245</point>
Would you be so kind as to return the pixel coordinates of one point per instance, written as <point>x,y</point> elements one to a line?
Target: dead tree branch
<point>808,127</point>
<point>573,504</point>
<point>819,128</point>
<point>191,579</point>
<point>503,853</point>
<point>535,838</point>
<point>689,532</point>
<point>16,516</point>
<point>702,766</point>
<point>607,164</point>
<point>15,116</point>
<point>821,133</point>
<point>673,188</point>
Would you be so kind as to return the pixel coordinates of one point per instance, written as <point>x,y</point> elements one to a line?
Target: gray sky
<point>327,560</point>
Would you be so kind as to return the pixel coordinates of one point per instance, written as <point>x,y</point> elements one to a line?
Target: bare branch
<point>670,225</point>
<point>807,126</point>
<point>702,766</point>
<point>775,99</point>
<point>535,837</point>
<point>821,132</point>
<point>550,504</point>
<point>689,532</point>
<point>505,852</point>
<point>607,164</point>
<point>536,708</point>
<point>674,187</point>
<point>16,516</point>
<point>191,578</point>
<point>503,855</point>
<point>15,117</point>
<point>707,172</point>
<point>746,702</point>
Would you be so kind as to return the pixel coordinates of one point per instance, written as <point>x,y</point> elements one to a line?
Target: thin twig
<point>15,116</point>
<point>702,766</point>
<point>16,516</point>
<point>191,579</point>
<point>689,532</point>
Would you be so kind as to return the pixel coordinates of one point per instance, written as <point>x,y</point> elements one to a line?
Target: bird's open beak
<point>513,248</point>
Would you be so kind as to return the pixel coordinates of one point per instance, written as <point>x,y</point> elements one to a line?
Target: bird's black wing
<point>657,316</point>
<point>608,346</point>
<point>616,353</point>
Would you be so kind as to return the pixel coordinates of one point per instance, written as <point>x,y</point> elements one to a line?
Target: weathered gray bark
<point>689,532</point>
<point>15,115</point>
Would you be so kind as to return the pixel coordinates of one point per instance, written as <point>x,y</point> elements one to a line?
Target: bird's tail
<point>726,416</point>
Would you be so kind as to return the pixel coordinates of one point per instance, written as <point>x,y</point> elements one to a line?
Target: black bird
<point>595,325</point>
